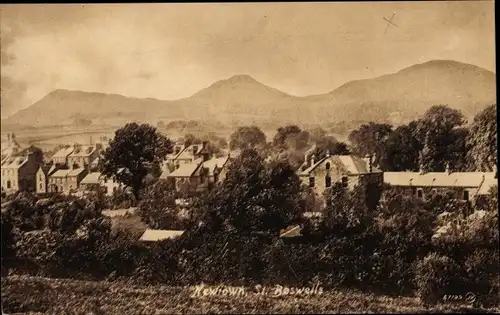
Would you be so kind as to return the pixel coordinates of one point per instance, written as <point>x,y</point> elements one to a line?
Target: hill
<point>243,100</point>
<point>411,91</point>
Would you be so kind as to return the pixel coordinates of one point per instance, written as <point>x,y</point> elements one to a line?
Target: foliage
<point>368,138</point>
<point>254,197</point>
<point>157,207</point>
<point>8,242</point>
<point>442,142</point>
<point>401,151</point>
<point>436,276</point>
<point>138,149</point>
<point>291,137</point>
<point>482,140</point>
<point>404,230</point>
<point>247,137</point>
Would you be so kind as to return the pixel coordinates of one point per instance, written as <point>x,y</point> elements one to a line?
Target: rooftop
<point>348,164</point>
<point>158,235</point>
<point>437,179</point>
<point>64,152</point>
<point>488,183</point>
<point>214,163</point>
<point>291,231</point>
<point>76,171</point>
<point>91,178</point>
<point>14,162</point>
<point>60,173</point>
<point>84,150</point>
<point>185,170</point>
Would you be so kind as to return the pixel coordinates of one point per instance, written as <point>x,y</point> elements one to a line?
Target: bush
<point>436,276</point>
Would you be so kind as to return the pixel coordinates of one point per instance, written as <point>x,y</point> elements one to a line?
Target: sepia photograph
<point>249,158</point>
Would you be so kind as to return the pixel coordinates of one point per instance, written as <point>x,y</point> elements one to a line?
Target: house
<point>467,184</point>
<point>83,155</point>
<point>159,235</point>
<point>184,154</point>
<point>349,170</point>
<point>19,173</point>
<point>178,148</point>
<point>95,180</point>
<point>61,156</point>
<point>91,182</point>
<point>66,181</point>
<point>42,177</point>
<point>216,170</point>
<point>187,175</point>
<point>191,153</point>
<point>111,184</point>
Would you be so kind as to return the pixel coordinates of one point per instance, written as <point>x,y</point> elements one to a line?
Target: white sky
<point>170,51</point>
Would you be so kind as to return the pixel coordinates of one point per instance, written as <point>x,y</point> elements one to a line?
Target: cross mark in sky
<point>389,22</point>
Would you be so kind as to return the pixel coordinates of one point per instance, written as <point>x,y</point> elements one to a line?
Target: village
<point>244,158</point>
<point>73,170</point>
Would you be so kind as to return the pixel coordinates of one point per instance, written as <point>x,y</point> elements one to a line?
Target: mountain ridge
<point>241,99</point>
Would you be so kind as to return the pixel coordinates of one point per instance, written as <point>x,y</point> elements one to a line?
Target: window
<point>40,177</point>
<point>105,180</point>
<point>327,165</point>
<point>8,184</point>
<point>41,186</point>
<point>345,181</point>
<point>466,195</point>
<point>311,182</point>
<point>328,181</point>
<point>420,193</point>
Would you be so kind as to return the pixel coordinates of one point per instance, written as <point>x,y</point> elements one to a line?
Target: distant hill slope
<point>243,100</point>
<point>413,90</point>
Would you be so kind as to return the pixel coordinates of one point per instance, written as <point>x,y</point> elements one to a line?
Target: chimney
<point>8,140</point>
<point>327,153</point>
<point>312,160</point>
<point>447,168</point>
<point>205,156</point>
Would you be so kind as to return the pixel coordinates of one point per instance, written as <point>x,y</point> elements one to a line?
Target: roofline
<point>197,167</point>
<point>467,186</point>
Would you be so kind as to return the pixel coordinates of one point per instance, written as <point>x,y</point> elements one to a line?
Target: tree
<point>283,133</point>
<point>247,137</point>
<point>482,140</point>
<point>436,131</point>
<point>369,139</point>
<point>403,229</point>
<point>138,149</point>
<point>8,252</point>
<point>254,197</point>
<point>401,150</point>
<point>157,207</point>
<point>190,139</point>
<point>331,145</point>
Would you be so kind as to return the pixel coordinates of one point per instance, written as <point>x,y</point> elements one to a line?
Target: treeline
<point>371,239</point>
<point>440,137</point>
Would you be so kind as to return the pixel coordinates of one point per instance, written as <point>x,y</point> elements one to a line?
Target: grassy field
<point>57,296</point>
